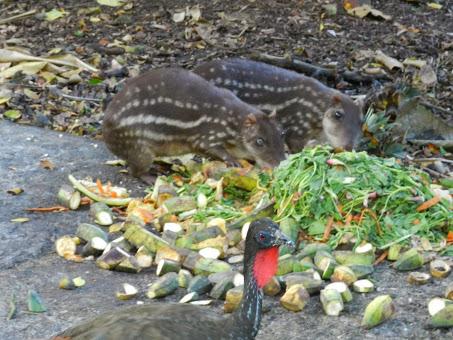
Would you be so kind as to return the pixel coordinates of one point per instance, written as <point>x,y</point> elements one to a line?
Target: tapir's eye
<point>259,141</point>
<point>339,115</point>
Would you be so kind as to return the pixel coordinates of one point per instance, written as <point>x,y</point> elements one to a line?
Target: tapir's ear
<point>336,99</point>
<point>360,101</point>
<point>250,120</point>
<point>273,114</point>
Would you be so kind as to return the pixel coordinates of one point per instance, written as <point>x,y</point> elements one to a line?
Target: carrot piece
<point>348,219</point>
<point>145,215</point>
<point>327,230</point>
<point>56,208</point>
<point>373,215</point>
<point>119,211</point>
<point>248,209</point>
<point>381,258</point>
<point>356,218</point>
<point>450,237</point>
<point>86,201</point>
<point>428,204</point>
<point>99,185</point>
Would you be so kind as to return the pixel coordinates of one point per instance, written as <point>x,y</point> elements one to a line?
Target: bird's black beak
<point>281,239</point>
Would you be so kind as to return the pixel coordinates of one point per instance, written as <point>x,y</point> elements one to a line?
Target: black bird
<point>187,322</point>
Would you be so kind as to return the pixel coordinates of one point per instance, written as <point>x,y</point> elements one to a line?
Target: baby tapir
<point>307,110</point>
<point>168,112</point>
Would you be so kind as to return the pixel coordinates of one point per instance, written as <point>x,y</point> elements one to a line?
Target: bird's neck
<point>258,269</point>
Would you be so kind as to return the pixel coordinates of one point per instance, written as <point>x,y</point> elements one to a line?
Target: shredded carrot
<point>328,229</point>
<point>242,171</point>
<point>173,218</point>
<point>146,215</point>
<point>356,218</point>
<point>381,258</point>
<point>119,211</point>
<point>450,237</point>
<point>296,196</point>
<point>373,215</point>
<point>56,208</point>
<point>340,209</point>
<point>86,201</point>
<point>99,186</point>
<point>247,209</point>
<point>178,180</point>
<point>416,221</point>
<point>348,219</point>
<point>428,204</point>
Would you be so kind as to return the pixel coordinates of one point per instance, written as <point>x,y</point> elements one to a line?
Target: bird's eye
<point>283,133</point>
<point>339,115</point>
<point>260,141</point>
<point>261,237</point>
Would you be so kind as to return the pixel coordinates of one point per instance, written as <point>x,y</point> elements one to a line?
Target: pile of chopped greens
<point>374,199</point>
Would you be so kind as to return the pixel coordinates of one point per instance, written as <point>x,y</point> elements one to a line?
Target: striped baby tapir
<point>171,111</point>
<point>308,111</point>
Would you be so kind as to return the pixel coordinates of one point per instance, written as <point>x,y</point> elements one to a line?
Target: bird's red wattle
<point>265,265</point>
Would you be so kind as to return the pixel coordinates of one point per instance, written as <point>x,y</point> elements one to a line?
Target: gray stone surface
<point>28,261</point>
<point>21,150</point>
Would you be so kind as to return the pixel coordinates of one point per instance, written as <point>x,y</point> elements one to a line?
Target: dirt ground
<point>124,42</point>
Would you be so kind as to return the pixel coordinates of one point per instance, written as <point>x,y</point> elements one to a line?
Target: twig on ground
<point>60,93</point>
<point>434,172</point>
<point>438,142</point>
<point>434,159</point>
<point>17,17</point>
<point>436,108</point>
<point>314,70</point>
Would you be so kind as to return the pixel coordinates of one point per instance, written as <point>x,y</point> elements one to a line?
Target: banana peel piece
<point>443,318</point>
<point>378,311</point>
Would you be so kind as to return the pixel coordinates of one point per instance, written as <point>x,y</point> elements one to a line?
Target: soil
<point>229,28</point>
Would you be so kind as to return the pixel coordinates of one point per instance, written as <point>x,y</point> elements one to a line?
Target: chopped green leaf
<point>35,303</point>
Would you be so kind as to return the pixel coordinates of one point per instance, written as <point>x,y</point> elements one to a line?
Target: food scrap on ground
<point>192,224</point>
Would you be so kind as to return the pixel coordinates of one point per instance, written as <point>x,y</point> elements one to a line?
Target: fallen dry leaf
<point>30,68</point>
<point>366,10</point>
<point>111,3</point>
<point>389,62</point>
<point>195,13</point>
<point>179,16</point>
<point>434,5</point>
<point>428,75</point>
<point>414,62</point>
<point>54,14</point>
<point>65,59</point>
<point>46,164</point>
